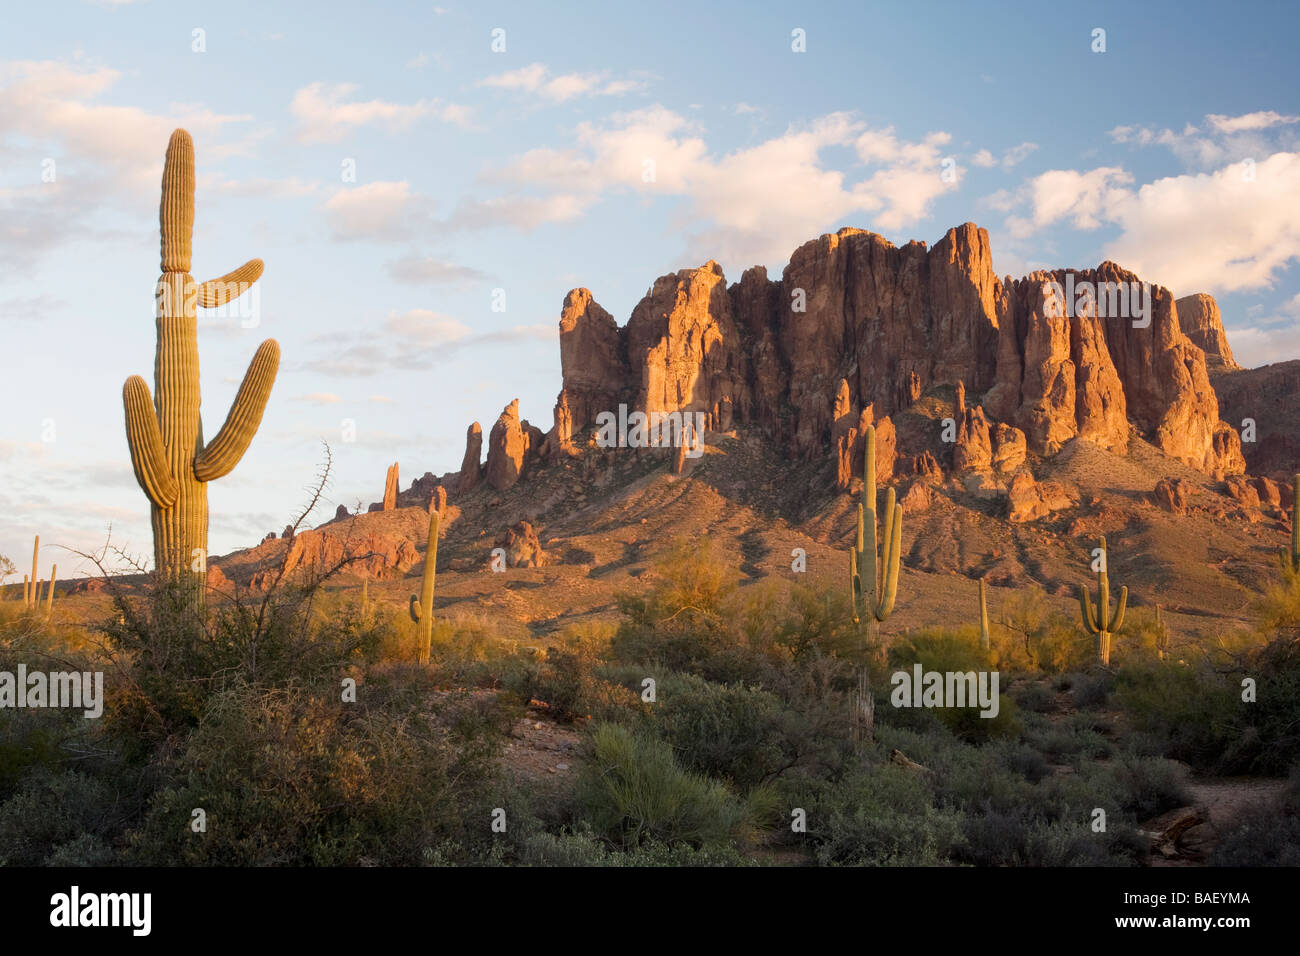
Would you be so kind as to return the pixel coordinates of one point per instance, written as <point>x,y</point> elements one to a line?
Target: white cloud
<point>753,204</point>
<point>1221,140</point>
<point>323,114</point>
<point>1017,154</point>
<point>984,159</point>
<point>1249,121</point>
<point>417,269</point>
<point>423,327</point>
<point>319,398</point>
<point>1233,229</point>
<point>385,211</point>
<point>1217,231</point>
<point>537,79</point>
<point>104,156</point>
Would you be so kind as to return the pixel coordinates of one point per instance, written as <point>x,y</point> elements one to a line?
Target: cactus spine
<point>1100,621</point>
<point>1291,559</point>
<point>984,615</point>
<point>422,606</point>
<point>874,561</point>
<point>172,463</point>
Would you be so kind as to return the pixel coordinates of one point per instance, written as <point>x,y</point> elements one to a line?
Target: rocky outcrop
<point>471,470</point>
<point>593,365</point>
<point>1199,318</point>
<point>391,488</point>
<point>856,323</point>
<point>683,345</point>
<point>510,445</point>
<point>522,546</point>
<point>1029,500</point>
<point>373,555</point>
<point>1170,494</point>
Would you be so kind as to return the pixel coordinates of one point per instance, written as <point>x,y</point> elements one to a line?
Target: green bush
<point>881,816</point>
<point>287,778</point>
<point>632,791</point>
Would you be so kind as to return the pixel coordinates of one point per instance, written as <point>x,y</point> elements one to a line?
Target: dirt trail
<point>1225,799</point>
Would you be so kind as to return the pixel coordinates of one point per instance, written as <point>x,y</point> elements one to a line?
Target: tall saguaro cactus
<point>172,462</point>
<point>1291,559</point>
<point>1100,621</point>
<point>984,615</point>
<point>422,606</point>
<point>873,561</point>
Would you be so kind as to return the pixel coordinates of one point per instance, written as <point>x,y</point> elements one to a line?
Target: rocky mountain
<point>1016,426</point>
<point>857,324</point>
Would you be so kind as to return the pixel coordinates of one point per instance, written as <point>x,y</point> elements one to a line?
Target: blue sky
<point>1175,152</point>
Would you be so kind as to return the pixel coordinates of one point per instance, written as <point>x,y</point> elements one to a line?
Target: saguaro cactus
<point>422,606</point>
<point>873,562</point>
<point>1291,559</point>
<point>984,615</point>
<point>1100,621</point>
<point>172,462</point>
<point>1162,634</point>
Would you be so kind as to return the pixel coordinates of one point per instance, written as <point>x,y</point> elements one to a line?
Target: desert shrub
<point>287,778</point>
<point>817,622</point>
<point>583,848</point>
<point>1089,690</point>
<point>1035,697</point>
<point>633,791</point>
<point>59,819</point>
<point>568,682</point>
<point>1148,786</point>
<point>955,651</point>
<point>881,816</point>
<point>1259,837</point>
<point>1189,707</point>
<point>741,734</point>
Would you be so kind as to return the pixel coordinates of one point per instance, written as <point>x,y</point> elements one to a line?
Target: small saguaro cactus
<point>873,561</point>
<point>1291,559</point>
<point>172,462</point>
<point>1162,635</point>
<point>1100,621</point>
<point>984,615</point>
<point>422,606</point>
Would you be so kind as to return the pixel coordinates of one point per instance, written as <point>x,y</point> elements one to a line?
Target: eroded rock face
<point>857,323</point>
<point>522,546</point>
<point>593,363</point>
<point>470,469</point>
<point>683,345</point>
<point>1199,318</point>
<point>508,447</point>
<point>373,555</point>
<point>1029,500</point>
<point>1170,494</point>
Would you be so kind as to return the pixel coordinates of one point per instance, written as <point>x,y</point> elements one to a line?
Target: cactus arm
<point>889,574</point>
<point>1085,603</point>
<point>222,454</point>
<point>144,438</point>
<point>1118,620</point>
<point>219,291</point>
<point>886,533</point>
<point>415,609</point>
